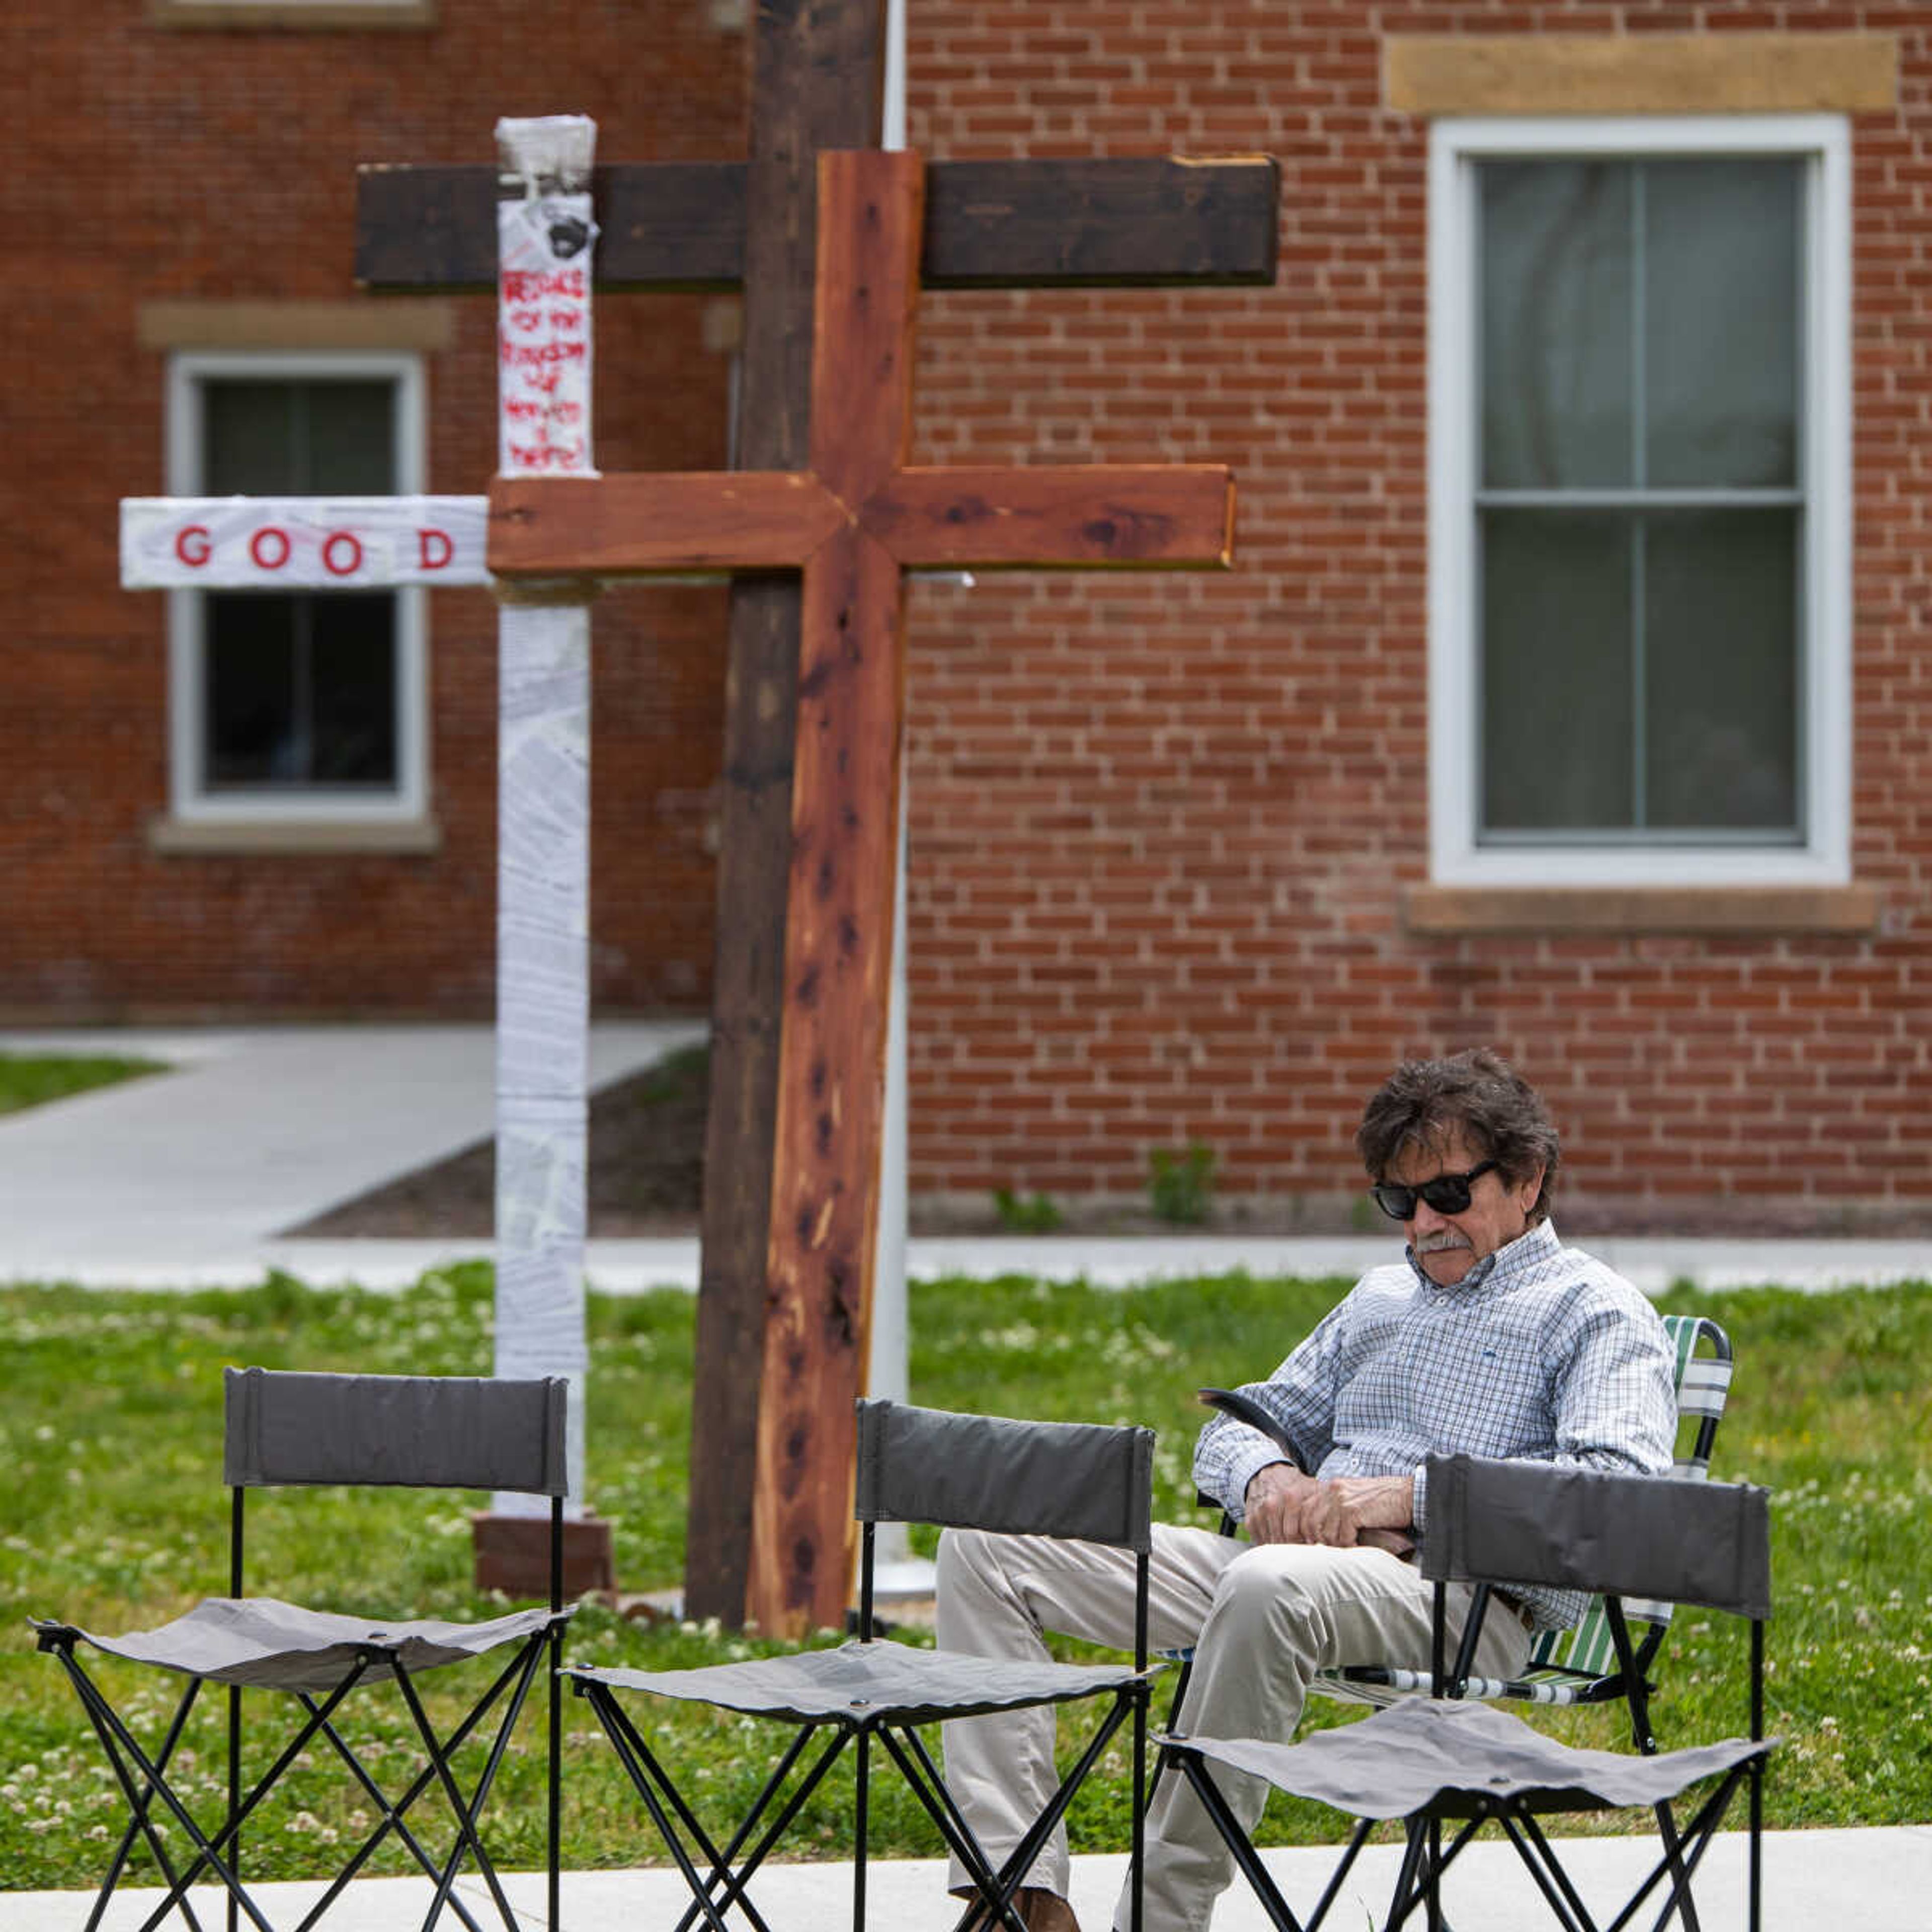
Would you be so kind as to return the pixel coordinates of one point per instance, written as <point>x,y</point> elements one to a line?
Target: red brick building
<point>1570,691</point>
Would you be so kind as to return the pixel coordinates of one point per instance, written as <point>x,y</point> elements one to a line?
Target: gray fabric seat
<point>1466,1757</point>
<point>412,1431</point>
<point>263,1642</point>
<point>918,1686</point>
<point>1431,1760</point>
<point>914,1465</point>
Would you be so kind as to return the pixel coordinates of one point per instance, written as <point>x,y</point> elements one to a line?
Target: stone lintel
<point>1640,73</point>
<point>425,326</point>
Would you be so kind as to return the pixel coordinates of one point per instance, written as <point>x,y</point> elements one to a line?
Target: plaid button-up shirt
<point>1539,1352</point>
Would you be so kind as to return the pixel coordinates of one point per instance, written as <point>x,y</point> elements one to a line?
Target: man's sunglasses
<point>1447,1193</point>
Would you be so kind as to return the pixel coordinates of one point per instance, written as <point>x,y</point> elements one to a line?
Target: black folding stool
<point>1438,1760</point>
<point>414,1431</point>
<point>1084,1481</point>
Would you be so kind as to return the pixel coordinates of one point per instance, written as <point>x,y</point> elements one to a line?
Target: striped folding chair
<point>1448,1766</point>
<point>1607,1655</point>
<point>1581,1665</point>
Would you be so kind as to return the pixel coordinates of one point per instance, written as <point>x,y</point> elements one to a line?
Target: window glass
<point>1721,689</point>
<point>1720,334</point>
<point>1638,521</point>
<point>1556,721</point>
<point>300,689</point>
<point>1555,303</point>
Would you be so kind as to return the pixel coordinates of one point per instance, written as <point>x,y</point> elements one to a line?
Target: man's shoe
<point>1046,1911</point>
<point>1040,1910</point>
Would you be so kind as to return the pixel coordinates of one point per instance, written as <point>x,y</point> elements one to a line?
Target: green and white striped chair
<point>1606,1656</point>
<point>1580,1665</point>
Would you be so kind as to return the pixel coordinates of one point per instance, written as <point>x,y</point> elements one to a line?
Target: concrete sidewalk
<point>1874,1881</point>
<point>187,1179</point>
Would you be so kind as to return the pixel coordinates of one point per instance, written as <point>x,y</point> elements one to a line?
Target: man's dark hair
<point>1424,1101</point>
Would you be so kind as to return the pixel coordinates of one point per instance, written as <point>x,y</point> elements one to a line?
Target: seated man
<point>1489,1337</point>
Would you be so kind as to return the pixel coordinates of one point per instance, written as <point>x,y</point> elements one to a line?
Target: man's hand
<point>1285,1506</point>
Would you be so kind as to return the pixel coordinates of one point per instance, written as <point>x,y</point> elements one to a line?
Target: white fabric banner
<point>544,243</point>
<point>302,543</point>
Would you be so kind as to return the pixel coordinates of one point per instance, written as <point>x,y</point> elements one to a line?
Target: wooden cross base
<point>513,1555</point>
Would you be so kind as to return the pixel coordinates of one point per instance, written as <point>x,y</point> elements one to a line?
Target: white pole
<point>543,834</point>
<point>896,1571</point>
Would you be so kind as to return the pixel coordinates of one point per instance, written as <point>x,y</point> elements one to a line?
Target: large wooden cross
<point>851,523</point>
<point>722,225</point>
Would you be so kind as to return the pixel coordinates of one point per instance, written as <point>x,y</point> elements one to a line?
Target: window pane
<point>1720,322</point>
<point>250,439</point>
<point>354,668</point>
<point>297,439</point>
<point>349,439</point>
<point>1721,600</point>
<point>300,687</point>
<point>1556,362</point>
<point>253,726</point>
<point>1557,685</point>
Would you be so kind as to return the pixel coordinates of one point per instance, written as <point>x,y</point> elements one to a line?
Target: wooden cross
<point>725,225</point>
<point>852,522</point>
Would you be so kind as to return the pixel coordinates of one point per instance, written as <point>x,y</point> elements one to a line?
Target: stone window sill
<point>256,838</point>
<point>1450,911</point>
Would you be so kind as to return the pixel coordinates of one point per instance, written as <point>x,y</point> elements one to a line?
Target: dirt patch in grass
<point>647,1169</point>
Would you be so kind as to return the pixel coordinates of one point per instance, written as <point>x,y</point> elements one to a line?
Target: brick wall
<point>220,166</point>
<point>1161,828</point>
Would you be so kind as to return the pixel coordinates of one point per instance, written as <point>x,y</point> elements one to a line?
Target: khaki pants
<point>1263,1620</point>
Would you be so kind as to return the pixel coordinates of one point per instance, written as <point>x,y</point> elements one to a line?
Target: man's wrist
<point>1243,1471</point>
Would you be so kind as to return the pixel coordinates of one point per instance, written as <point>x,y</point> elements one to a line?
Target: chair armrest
<point>1245,1408</point>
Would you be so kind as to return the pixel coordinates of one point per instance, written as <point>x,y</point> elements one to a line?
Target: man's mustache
<point>1435,1244</point>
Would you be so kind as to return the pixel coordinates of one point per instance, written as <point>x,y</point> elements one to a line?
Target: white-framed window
<point>302,707</point>
<point>1639,401</point>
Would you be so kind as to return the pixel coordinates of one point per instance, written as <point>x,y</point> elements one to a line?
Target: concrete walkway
<point>1859,1881</point>
<point>187,1179</point>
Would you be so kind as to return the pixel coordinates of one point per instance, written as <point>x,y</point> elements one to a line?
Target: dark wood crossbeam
<point>851,524</point>
<point>1124,223</point>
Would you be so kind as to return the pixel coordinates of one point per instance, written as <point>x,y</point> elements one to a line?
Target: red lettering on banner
<point>263,535</point>
<point>192,546</point>
<point>523,285</point>
<point>354,553</point>
<point>434,550</point>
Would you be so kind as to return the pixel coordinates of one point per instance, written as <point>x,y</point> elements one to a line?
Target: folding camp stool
<point>413,1431</point>
<point>1079,1480</point>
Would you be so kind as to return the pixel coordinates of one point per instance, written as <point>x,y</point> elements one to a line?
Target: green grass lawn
<point>115,1517</point>
<point>28,1079</point>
